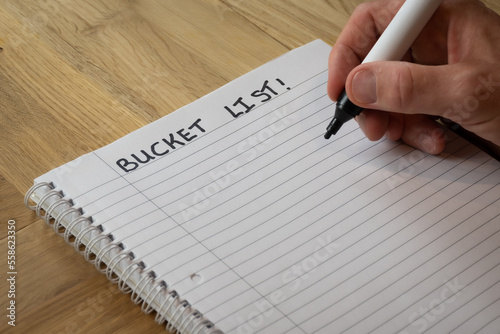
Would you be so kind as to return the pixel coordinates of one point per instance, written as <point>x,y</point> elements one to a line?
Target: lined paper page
<point>265,226</point>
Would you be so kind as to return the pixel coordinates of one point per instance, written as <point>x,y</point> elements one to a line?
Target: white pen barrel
<point>403,30</point>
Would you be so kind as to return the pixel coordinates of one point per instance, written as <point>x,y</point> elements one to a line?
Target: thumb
<point>404,87</point>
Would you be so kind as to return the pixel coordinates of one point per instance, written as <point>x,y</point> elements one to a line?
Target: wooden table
<point>76,75</point>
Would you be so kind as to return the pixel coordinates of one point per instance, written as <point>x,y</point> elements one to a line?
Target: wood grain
<point>77,75</point>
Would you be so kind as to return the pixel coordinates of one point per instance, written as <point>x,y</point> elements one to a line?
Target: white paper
<point>285,231</point>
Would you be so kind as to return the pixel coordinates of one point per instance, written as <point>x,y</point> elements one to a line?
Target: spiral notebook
<point>234,214</point>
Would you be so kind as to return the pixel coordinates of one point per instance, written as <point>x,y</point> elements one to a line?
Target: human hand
<point>452,70</point>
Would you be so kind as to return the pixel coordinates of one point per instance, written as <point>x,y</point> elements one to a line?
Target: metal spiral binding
<point>160,288</point>
<point>68,235</point>
<point>180,310</point>
<point>136,295</point>
<point>51,208</point>
<point>32,190</point>
<point>88,250</point>
<point>60,218</point>
<point>122,282</point>
<point>110,268</point>
<point>38,208</point>
<point>78,243</point>
<point>160,316</point>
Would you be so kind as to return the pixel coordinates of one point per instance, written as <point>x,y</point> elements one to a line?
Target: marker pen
<point>392,45</point>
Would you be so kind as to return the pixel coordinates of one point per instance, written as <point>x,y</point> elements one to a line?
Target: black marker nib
<point>333,128</point>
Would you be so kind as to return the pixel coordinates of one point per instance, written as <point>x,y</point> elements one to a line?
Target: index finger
<point>364,27</point>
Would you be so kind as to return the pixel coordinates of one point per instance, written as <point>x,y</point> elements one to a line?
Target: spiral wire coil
<point>58,208</point>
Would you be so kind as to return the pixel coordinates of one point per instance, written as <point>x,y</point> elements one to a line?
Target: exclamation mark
<point>282,83</point>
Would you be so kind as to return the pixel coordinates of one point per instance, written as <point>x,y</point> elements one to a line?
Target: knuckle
<point>363,9</point>
<point>406,86</point>
<point>401,92</point>
<point>381,12</point>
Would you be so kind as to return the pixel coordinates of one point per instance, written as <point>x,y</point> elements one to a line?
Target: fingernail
<point>438,134</point>
<point>426,143</point>
<point>364,87</point>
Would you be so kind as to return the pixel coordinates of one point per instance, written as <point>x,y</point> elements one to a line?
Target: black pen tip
<point>333,128</point>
